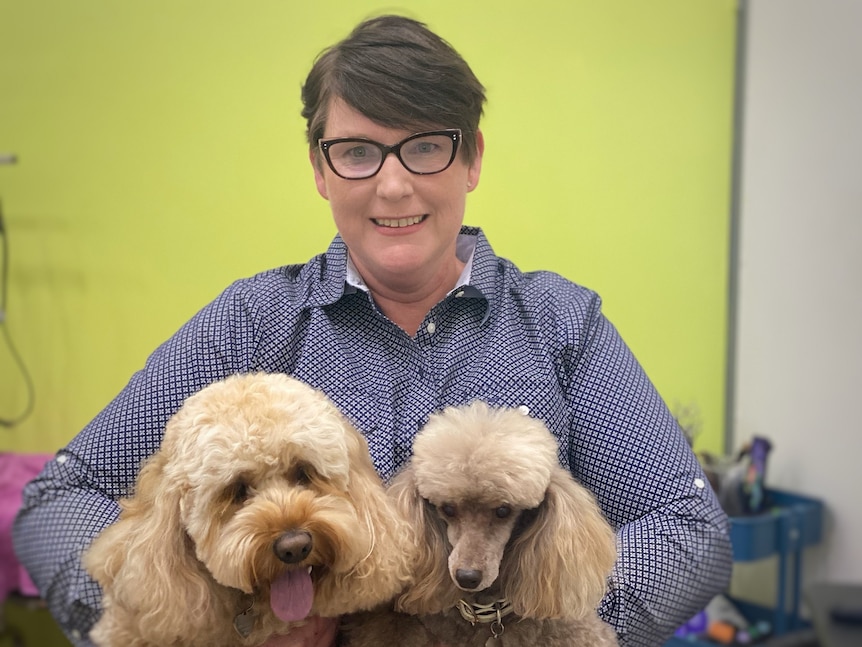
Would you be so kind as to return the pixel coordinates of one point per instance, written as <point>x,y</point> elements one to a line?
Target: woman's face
<point>401,228</point>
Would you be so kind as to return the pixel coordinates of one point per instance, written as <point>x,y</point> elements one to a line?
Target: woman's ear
<point>317,165</point>
<point>475,168</point>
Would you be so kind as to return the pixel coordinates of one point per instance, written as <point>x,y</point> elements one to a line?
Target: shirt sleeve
<point>75,496</point>
<point>60,517</point>
<point>673,543</point>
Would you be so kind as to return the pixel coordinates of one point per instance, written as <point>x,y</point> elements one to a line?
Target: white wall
<point>798,362</point>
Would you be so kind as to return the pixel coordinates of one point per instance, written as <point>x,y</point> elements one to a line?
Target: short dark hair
<point>400,74</point>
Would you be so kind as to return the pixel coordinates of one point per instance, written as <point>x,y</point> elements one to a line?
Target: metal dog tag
<point>244,622</point>
<point>497,630</point>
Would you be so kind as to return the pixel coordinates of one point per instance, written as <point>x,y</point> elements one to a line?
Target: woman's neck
<point>407,305</point>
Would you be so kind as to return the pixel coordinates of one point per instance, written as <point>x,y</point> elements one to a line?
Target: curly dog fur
<point>260,491</point>
<point>500,520</point>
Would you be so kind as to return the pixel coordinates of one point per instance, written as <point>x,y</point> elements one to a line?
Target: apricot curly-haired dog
<point>512,550</point>
<point>261,507</point>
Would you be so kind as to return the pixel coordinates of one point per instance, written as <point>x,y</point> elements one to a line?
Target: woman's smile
<point>398,223</point>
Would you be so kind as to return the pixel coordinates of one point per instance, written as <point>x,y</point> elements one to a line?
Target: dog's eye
<point>300,474</point>
<point>239,491</point>
<point>503,511</point>
<point>449,510</point>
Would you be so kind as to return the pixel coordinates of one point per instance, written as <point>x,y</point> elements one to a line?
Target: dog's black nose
<point>293,546</point>
<point>468,578</point>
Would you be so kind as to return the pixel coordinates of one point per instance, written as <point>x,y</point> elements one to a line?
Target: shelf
<point>790,523</point>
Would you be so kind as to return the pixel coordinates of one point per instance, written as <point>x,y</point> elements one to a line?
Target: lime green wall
<point>162,155</point>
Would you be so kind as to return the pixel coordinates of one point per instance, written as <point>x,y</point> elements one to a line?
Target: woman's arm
<point>75,497</point>
<point>673,542</point>
<point>317,632</point>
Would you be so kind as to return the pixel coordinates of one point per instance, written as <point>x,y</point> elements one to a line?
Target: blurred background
<point>695,162</point>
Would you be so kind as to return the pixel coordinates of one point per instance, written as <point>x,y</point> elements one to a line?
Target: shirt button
<point>524,409</point>
<point>62,458</point>
<point>431,327</point>
<point>75,634</point>
<point>699,484</point>
<point>459,293</point>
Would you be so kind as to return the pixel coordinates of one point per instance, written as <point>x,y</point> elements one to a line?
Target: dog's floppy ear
<point>147,561</point>
<point>431,590</point>
<point>385,570</point>
<point>559,564</point>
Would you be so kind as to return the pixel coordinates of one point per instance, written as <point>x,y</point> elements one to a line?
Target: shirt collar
<point>338,276</point>
<point>464,249</point>
<point>485,267</point>
<point>325,275</point>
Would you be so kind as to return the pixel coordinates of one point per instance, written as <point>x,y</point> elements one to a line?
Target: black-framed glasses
<point>357,158</point>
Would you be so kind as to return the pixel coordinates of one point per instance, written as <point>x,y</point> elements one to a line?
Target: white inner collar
<point>465,247</point>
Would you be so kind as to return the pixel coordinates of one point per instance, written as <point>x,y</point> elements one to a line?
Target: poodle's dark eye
<point>503,511</point>
<point>449,510</point>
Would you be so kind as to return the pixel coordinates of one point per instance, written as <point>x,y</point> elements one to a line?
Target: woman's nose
<point>393,180</point>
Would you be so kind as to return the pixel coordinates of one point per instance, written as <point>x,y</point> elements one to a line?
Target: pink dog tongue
<point>291,595</point>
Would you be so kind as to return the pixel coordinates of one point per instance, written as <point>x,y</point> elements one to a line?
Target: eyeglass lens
<point>423,153</point>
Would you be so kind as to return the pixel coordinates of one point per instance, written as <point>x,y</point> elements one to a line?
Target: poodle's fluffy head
<point>484,454</point>
<point>262,487</point>
<point>498,512</point>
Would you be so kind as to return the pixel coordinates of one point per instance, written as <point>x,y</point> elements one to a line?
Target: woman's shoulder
<point>553,290</point>
<point>294,285</point>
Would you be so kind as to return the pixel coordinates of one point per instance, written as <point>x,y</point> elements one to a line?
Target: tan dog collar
<point>486,613</point>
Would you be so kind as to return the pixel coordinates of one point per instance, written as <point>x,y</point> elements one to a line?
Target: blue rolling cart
<point>790,523</point>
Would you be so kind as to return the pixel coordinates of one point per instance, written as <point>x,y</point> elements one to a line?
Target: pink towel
<point>15,471</point>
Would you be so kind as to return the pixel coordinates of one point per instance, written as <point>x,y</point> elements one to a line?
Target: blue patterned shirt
<point>533,340</point>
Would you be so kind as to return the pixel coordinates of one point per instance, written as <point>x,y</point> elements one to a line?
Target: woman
<point>407,312</point>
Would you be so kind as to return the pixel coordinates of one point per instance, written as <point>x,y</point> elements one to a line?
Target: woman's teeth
<point>398,222</point>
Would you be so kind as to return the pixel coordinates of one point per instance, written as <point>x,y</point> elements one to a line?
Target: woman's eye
<point>424,148</point>
<point>503,511</point>
<point>356,152</point>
